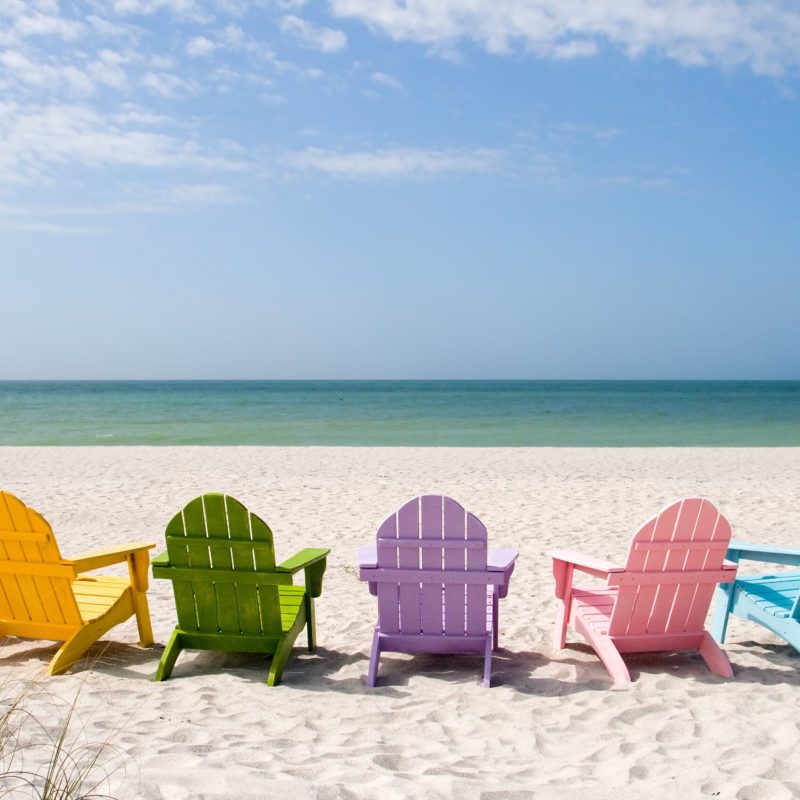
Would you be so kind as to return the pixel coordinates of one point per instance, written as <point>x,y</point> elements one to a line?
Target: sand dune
<point>551,726</point>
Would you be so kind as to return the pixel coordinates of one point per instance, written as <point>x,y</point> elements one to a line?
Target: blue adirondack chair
<point>771,599</point>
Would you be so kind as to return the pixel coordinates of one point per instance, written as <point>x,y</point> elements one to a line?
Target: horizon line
<point>401,380</point>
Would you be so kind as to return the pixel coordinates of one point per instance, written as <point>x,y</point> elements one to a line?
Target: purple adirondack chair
<point>437,588</point>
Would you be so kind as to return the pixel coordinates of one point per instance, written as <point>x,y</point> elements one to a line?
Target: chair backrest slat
<point>455,528</point>
<point>689,536</point>
<point>388,592</point>
<point>432,543</point>
<point>476,560</point>
<point>36,594</point>
<point>408,527</point>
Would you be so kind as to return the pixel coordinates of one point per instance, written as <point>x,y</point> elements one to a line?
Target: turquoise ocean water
<point>454,413</point>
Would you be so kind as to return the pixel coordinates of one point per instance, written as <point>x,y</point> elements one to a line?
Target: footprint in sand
<point>764,790</point>
<point>677,731</point>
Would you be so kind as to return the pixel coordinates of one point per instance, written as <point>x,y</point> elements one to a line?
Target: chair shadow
<point>514,669</point>
<point>305,670</point>
<point>107,656</point>
<point>690,664</point>
<point>319,671</point>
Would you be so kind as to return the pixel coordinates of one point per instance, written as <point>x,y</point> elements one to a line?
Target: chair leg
<point>284,650</point>
<point>311,623</point>
<point>372,675</point>
<point>716,660</point>
<point>560,625</point>
<point>80,641</point>
<point>610,657</point>
<point>487,663</point>
<point>722,608</point>
<point>279,661</point>
<point>143,619</point>
<point>169,657</point>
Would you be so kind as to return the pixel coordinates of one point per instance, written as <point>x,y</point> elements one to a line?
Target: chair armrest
<point>161,565</point>
<point>305,558</point>
<point>367,556</point>
<point>593,566</point>
<point>313,560</point>
<point>772,554</point>
<point>86,562</point>
<point>501,558</point>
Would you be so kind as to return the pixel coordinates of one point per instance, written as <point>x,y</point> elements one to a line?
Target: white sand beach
<point>552,725</point>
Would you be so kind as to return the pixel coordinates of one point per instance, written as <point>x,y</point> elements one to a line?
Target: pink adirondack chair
<point>659,600</point>
<point>437,588</point>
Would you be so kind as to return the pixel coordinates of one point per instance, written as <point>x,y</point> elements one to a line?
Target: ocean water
<point>451,413</point>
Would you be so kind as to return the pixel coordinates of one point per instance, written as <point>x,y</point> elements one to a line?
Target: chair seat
<point>95,595</point>
<point>774,594</point>
<point>291,601</point>
<point>595,607</point>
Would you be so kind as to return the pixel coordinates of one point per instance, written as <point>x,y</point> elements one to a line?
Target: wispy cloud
<point>147,200</point>
<point>43,227</point>
<point>46,76</point>
<point>184,9</point>
<point>394,162</point>
<point>112,101</point>
<point>80,219</point>
<point>386,80</point>
<point>200,46</point>
<point>316,37</point>
<point>169,85</point>
<point>37,141</point>
<point>762,36</point>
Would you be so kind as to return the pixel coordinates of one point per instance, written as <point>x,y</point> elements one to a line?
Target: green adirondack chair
<point>229,593</point>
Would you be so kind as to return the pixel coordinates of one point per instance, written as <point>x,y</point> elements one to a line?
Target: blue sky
<point>374,188</point>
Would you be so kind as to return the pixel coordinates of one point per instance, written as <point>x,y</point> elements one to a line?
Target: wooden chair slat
<point>408,559</point>
<point>431,520</point>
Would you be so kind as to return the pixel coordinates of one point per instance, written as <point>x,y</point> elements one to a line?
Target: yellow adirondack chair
<point>44,596</point>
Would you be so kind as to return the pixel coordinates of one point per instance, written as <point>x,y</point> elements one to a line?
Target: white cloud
<point>133,113</point>
<point>395,162</point>
<point>576,48</point>
<point>37,142</point>
<point>386,80</point>
<point>48,25</point>
<point>108,70</point>
<point>50,77</point>
<point>762,36</point>
<point>45,227</point>
<point>316,37</point>
<point>241,7</point>
<point>169,85</point>
<point>113,30</point>
<point>200,46</point>
<point>170,198</point>
<point>186,9</point>
<point>127,199</point>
